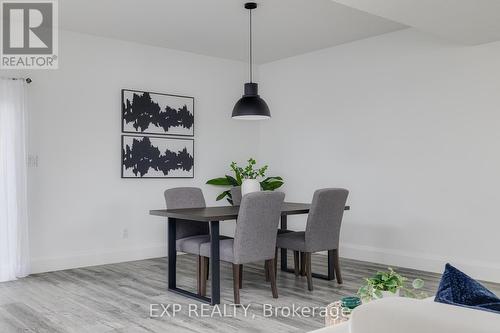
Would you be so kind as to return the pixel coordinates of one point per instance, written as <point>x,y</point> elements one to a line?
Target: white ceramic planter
<point>249,186</point>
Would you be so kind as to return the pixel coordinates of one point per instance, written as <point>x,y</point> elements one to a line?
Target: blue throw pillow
<point>457,288</point>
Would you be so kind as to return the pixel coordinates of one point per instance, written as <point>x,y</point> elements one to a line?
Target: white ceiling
<point>282,28</point>
<point>465,21</point>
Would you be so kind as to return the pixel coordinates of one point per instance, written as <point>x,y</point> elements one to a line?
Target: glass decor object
<point>336,314</point>
<point>351,302</point>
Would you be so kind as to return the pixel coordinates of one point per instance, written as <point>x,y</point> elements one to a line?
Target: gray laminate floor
<point>118,298</point>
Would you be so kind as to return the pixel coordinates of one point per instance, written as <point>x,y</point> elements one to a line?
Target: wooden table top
<point>224,213</point>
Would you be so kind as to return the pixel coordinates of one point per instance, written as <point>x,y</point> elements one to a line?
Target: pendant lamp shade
<point>250,106</point>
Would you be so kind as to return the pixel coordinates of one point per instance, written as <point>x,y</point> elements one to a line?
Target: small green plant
<point>250,171</point>
<point>390,281</point>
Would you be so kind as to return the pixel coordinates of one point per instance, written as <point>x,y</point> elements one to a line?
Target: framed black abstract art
<point>159,114</point>
<point>157,157</point>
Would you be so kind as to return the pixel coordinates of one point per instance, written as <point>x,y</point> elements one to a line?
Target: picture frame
<point>156,157</point>
<point>144,112</point>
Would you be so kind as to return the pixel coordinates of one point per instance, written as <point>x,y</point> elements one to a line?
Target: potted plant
<point>249,175</point>
<point>390,284</point>
<point>246,178</point>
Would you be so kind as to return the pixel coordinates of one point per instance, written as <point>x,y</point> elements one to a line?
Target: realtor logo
<point>29,34</point>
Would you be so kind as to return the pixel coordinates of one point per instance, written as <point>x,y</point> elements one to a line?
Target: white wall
<point>411,126</point>
<point>408,123</point>
<point>79,206</point>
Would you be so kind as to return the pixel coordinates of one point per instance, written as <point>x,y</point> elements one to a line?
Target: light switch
<point>32,161</point>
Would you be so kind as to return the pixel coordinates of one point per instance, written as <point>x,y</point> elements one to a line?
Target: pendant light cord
<point>251,55</point>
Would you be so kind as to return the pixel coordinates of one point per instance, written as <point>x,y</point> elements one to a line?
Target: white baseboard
<point>94,258</point>
<point>480,270</point>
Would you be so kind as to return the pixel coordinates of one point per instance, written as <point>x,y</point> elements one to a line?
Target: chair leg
<point>336,262</point>
<point>331,265</point>
<point>276,263</point>
<point>309,271</point>
<point>296,263</point>
<point>266,271</point>
<point>203,273</point>
<point>198,274</point>
<point>241,277</point>
<point>272,277</point>
<point>236,283</point>
<point>302,264</point>
<point>208,268</point>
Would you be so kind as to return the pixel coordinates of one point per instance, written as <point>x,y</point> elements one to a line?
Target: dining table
<point>214,216</point>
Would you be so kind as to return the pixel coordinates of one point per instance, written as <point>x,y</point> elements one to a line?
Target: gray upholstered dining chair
<point>189,235</point>
<point>322,231</point>
<point>254,239</point>
<point>236,198</point>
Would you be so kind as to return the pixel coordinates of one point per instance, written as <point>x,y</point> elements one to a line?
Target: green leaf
<point>223,181</point>
<point>222,195</point>
<point>392,289</point>
<point>274,185</point>
<point>270,186</point>
<point>231,180</point>
<point>391,283</point>
<point>237,173</point>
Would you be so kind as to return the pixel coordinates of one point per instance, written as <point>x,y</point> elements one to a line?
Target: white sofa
<point>405,315</point>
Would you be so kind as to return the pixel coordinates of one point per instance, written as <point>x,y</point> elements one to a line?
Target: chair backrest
<point>186,197</point>
<point>325,218</point>
<point>258,218</point>
<point>236,195</point>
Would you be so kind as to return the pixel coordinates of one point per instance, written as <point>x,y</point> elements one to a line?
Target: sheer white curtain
<point>14,247</point>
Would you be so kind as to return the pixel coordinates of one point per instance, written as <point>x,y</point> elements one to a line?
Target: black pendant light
<point>251,106</point>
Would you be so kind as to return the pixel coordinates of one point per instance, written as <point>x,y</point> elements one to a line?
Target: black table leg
<point>172,253</point>
<point>283,255</point>
<point>214,258</point>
